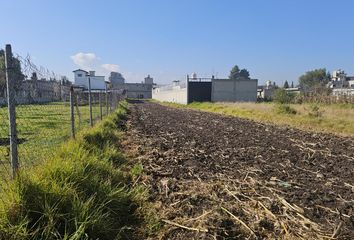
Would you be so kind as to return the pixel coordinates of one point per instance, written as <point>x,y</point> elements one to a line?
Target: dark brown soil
<point>216,177</point>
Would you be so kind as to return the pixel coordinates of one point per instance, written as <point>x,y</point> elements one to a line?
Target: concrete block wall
<point>226,90</point>
<point>221,90</point>
<point>136,90</point>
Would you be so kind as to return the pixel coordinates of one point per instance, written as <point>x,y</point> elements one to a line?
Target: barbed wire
<point>28,67</point>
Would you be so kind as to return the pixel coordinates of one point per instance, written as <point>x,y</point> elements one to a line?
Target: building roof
<point>80,70</point>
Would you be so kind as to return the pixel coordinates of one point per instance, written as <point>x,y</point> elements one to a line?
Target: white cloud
<point>90,62</point>
<point>87,61</point>
<point>110,67</point>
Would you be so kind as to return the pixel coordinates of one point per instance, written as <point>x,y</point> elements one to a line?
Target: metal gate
<point>199,89</point>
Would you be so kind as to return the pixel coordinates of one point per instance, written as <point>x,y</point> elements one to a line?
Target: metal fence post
<point>110,102</point>
<point>117,101</point>
<point>10,78</point>
<point>100,101</point>
<point>90,100</point>
<point>72,112</point>
<point>106,102</point>
<point>187,89</point>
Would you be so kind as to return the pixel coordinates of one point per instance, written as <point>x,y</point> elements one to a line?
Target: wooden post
<point>72,117</point>
<point>10,78</point>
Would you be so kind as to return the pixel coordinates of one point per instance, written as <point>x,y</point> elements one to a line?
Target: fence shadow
<point>6,141</point>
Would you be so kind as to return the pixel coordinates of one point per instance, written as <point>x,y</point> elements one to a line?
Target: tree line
<point>310,80</point>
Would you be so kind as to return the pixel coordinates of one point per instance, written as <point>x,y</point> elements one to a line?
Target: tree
<point>17,74</point>
<point>292,84</point>
<point>236,73</point>
<point>314,79</point>
<point>244,74</point>
<point>286,84</point>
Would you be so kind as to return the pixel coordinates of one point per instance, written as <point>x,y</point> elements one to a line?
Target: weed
<point>315,111</point>
<point>284,109</point>
<point>136,170</point>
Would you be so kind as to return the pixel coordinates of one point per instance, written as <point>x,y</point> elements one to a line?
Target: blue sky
<point>275,39</point>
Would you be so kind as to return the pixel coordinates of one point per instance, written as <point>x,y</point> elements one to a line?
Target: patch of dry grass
<point>334,118</point>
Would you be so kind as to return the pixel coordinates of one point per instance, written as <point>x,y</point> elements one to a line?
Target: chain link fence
<point>5,162</point>
<point>30,132</point>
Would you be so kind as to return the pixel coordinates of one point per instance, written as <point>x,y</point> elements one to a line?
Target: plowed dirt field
<point>216,177</point>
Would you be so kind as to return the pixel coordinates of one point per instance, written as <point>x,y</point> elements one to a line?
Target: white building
<point>341,84</point>
<point>82,77</point>
<point>338,80</point>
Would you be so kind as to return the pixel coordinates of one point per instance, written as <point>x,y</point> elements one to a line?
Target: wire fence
<point>31,131</point>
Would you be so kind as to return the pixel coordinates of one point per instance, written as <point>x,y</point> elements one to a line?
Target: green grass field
<point>87,190</point>
<point>333,118</point>
<point>41,128</point>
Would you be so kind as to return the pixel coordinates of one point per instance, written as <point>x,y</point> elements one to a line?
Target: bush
<point>280,95</point>
<point>284,109</point>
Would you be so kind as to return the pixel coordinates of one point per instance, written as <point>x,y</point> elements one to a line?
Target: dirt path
<point>219,177</point>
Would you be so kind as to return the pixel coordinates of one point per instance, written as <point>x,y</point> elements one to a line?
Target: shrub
<point>280,95</point>
<point>284,109</point>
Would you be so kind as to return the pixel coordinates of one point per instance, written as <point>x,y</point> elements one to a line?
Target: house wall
<point>97,82</point>
<point>80,78</point>
<point>226,90</point>
<point>351,84</point>
<point>175,94</point>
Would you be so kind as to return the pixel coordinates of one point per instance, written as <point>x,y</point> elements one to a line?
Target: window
<point>79,74</point>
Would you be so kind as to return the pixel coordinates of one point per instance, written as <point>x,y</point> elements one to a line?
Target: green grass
<point>84,191</point>
<point>40,129</point>
<point>334,118</point>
